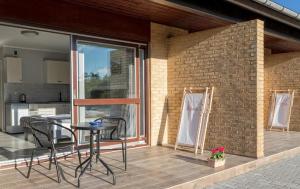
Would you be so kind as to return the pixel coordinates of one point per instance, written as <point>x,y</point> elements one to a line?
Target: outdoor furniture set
<point>106,129</point>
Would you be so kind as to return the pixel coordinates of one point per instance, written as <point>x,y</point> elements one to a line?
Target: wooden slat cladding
<point>118,19</point>
<point>155,12</point>
<point>70,17</point>
<point>149,10</point>
<point>280,45</point>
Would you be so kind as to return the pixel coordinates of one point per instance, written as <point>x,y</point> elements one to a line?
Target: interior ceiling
<point>164,14</point>
<point>11,36</point>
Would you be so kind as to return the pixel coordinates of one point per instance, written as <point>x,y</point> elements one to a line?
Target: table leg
<point>91,147</point>
<point>90,159</point>
<point>98,145</point>
<point>108,170</point>
<point>84,169</point>
<point>80,166</point>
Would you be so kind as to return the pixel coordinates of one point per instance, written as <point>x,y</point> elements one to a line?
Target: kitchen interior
<point>35,81</point>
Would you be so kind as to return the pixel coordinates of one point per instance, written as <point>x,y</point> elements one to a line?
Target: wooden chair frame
<point>273,104</point>
<point>208,92</point>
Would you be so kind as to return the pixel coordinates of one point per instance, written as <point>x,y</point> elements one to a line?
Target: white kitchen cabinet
<point>58,72</point>
<point>13,68</point>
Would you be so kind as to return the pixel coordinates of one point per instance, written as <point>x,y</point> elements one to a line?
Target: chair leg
<point>50,159</point>
<point>57,166</point>
<point>123,153</point>
<point>30,164</point>
<point>79,159</point>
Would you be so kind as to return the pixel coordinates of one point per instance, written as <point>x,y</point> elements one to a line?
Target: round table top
<point>87,126</point>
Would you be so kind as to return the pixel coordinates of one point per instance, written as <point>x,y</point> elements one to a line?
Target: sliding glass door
<point>108,82</point>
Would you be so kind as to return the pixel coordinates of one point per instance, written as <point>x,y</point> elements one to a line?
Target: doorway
<point>109,80</point>
<point>35,81</point>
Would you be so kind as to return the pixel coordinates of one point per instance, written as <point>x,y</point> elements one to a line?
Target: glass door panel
<point>109,82</point>
<point>105,71</point>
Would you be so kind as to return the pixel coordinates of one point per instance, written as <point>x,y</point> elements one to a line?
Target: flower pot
<point>216,162</point>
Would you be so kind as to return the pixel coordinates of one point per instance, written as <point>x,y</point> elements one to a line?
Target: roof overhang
<point>130,19</point>
<point>282,33</point>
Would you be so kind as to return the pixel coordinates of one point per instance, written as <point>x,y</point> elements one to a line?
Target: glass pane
<point>142,89</point>
<point>90,113</point>
<point>105,71</point>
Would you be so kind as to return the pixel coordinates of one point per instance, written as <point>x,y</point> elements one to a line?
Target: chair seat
<point>60,145</point>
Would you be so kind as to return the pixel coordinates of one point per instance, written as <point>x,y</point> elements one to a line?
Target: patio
<point>153,167</point>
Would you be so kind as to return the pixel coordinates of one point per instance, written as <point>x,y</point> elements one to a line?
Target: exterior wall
<point>282,71</point>
<point>159,86</point>
<point>231,59</point>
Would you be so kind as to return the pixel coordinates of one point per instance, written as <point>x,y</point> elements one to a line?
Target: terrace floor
<point>150,167</point>
<point>278,141</point>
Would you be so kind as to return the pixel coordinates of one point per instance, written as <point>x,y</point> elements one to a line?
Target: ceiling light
<point>29,33</point>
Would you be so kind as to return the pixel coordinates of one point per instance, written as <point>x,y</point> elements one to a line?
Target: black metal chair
<point>115,131</point>
<point>43,134</point>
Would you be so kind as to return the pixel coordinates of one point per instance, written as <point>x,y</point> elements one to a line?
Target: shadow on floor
<point>193,160</point>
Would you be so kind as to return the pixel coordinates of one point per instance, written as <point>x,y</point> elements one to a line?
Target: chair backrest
<point>116,127</point>
<point>61,133</point>
<point>41,132</point>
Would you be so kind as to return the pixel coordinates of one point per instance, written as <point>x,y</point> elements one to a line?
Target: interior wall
<point>33,64</point>
<point>230,59</point>
<point>282,72</point>
<point>34,83</point>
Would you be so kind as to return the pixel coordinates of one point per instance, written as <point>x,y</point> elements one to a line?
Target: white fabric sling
<point>281,110</point>
<point>190,119</point>
<point>195,111</point>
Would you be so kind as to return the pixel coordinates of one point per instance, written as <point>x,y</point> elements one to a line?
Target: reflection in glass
<point>106,71</point>
<point>90,113</point>
<point>142,91</point>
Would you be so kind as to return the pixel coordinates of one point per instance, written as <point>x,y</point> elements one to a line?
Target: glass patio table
<point>94,130</point>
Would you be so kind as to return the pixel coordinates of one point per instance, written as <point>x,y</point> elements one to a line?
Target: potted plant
<point>217,157</point>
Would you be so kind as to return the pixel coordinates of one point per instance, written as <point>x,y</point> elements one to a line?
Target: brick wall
<point>158,70</point>
<point>231,59</point>
<point>282,71</point>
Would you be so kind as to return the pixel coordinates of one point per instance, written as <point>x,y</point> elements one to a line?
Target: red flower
<point>221,149</point>
<point>214,150</point>
<point>217,150</point>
